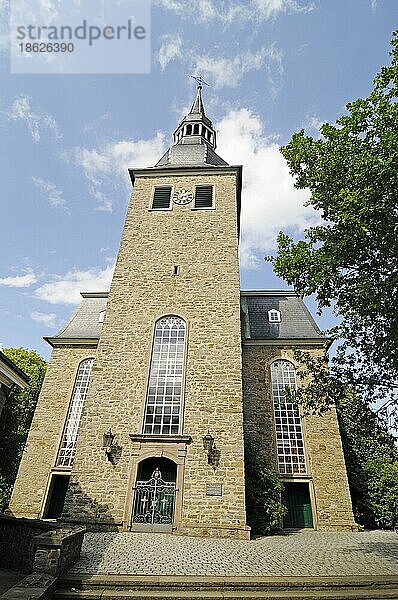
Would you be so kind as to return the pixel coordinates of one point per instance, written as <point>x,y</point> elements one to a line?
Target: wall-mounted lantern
<point>107,444</point>
<point>208,442</point>
<point>213,454</point>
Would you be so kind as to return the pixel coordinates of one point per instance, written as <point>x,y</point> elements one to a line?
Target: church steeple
<point>197,106</point>
<point>194,140</point>
<point>196,128</point>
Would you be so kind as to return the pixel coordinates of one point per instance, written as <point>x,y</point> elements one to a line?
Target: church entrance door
<point>298,504</point>
<point>154,495</point>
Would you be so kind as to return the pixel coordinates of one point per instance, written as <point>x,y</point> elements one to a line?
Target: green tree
<point>350,260</point>
<point>17,416</point>
<point>263,493</point>
<point>382,476</point>
<point>372,462</point>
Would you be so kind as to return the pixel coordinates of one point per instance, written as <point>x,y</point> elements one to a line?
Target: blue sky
<point>274,67</point>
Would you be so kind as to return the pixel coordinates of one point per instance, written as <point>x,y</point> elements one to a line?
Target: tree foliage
<point>382,477</point>
<point>17,416</point>
<point>264,505</point>
<point>350,260</point>
<point>371,460</point>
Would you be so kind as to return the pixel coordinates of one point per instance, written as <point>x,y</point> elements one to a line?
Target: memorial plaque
<point>213,489</point>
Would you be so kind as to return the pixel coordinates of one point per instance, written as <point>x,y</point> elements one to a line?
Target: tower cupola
<point>196,128</point>
<point>194,140</point>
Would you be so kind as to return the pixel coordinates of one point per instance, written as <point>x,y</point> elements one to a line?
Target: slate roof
<point>84,323</point>
<point>198,154</point>
<point>191,149</point>
<point>296,321</point>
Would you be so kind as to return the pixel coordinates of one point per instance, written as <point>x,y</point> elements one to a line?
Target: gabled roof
<point>84,324</point>
<point>296,321</point>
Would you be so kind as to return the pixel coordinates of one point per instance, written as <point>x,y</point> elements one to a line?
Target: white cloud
<point>19,281</point>
<point>50,190</point>
<point>47,319</point>
<point>36,122</point>
<point>106,166</point>
<point>230,11</point>
<point>268,9</point>
<point>313,123</point>
<point>170,49</point>
<point>228,72</point>
<point>270,202</point>
<point>274,69</point>
<point>373,5</point>
<point>66,289</point>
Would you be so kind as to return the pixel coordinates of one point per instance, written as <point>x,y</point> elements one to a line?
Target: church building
<point>154,388</point>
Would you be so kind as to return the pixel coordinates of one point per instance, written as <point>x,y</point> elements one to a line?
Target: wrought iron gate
<point>154,501</point>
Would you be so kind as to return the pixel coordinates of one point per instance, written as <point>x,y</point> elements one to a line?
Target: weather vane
<point>199,80</point>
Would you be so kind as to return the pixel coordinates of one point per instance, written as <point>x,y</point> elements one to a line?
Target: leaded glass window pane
<point>67,449</point>
<point>289,433</point>
<point>164,397</point>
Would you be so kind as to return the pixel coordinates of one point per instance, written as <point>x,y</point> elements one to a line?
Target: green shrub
<point>263,494</point>
<point>382,478</point>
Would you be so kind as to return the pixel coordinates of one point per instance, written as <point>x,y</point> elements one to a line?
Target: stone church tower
<point>141,420</point>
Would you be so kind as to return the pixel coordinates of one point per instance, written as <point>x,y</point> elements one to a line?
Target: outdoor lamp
<point>208,442</point>
<point>108,438</point>
<point>213,453</point>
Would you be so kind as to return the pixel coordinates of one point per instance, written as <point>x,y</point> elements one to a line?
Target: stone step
<point>228,595</point>
<point>78,587</point>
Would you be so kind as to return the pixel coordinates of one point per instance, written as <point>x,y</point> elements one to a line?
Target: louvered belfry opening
<point>161,198</point>
<point>204,196</point>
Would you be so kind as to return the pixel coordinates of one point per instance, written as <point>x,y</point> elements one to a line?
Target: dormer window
<point>274,316</point>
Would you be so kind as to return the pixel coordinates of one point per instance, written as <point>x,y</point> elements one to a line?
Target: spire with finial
<point>197,106</point>
<point>196,128</point>
<point>194,140</point>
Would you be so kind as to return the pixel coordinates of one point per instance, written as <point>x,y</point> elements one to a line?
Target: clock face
<point>182,197</point>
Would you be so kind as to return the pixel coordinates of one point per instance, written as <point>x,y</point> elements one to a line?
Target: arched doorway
<point>154,495</point>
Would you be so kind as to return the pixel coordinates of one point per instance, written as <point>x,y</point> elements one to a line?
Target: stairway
<point>126,587</point>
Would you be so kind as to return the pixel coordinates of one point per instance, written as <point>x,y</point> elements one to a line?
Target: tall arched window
<point>289,433</point>
<point>67,448</point>
<point>164,397</point>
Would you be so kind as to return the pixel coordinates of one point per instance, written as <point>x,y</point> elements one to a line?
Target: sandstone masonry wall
<point>331,504</point>
<point>46,430</point>
<point>203,243</point>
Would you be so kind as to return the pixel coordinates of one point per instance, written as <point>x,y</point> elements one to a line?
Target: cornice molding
<point>289,342</point>
<point>9,377</point>
<point>82,342</point>
<point>186,170</point>
<point>160,439</point>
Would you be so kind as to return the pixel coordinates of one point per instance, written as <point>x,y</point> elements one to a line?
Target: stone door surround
<point>173,447</point>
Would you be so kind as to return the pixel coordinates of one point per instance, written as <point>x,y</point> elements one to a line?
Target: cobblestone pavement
<point>290,554</point>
